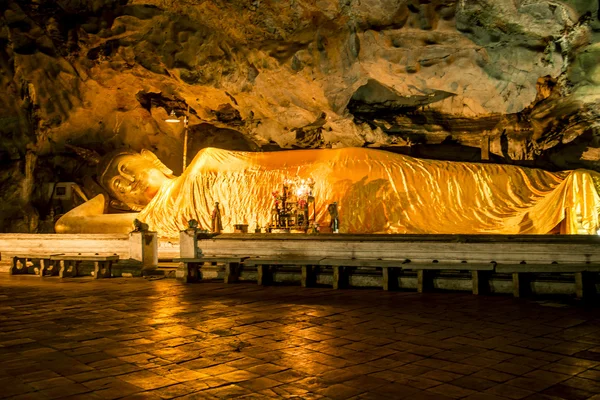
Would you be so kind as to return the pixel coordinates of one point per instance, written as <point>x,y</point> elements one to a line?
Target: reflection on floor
<point>141,339</point>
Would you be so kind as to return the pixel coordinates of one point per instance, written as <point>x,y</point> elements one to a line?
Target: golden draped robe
<point>379,192</point>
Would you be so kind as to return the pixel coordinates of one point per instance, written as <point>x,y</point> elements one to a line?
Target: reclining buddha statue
<point>375,191</point>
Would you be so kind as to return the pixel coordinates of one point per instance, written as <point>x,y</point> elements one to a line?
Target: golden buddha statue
<point>376,192</point>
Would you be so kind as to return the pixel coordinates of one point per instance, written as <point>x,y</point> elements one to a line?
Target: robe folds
<point>379,192</point>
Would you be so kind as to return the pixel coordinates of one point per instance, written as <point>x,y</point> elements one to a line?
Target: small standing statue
<point>335,218</point>
<point>217,225</point>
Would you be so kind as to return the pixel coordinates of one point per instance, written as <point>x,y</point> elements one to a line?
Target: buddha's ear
<point>148,155</point>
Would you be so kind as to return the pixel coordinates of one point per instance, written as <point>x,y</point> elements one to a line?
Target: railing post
<point>188,243</point>
<point>143,247</point>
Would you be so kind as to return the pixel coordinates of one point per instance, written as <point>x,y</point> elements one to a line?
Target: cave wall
<point>432,78</point>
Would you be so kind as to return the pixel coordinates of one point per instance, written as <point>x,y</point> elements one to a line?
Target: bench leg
<point>480,281</point>
<point>96,270</point>
<point>19,266</point>
<point>424,281</point>
<point>64,267</point>
<point>521,284</point>
<point>263,275</point>
<point>308,275</point>
<point>390,278</point>
<point>53,267</point>
<point>75,271</point>
<point>108,269</point>
<point>45,266</point>
<point>340,277</point>
<point>42,269</point>
<point>192,272</point>
<point>232,272</point>
<point>585,284</point>
<point>68,268</point>
<point>102,269</point>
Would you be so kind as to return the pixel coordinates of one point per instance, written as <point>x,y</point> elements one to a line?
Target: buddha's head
<point>133,178</point>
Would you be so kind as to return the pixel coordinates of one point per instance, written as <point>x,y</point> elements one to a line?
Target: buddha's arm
<point>90,218</point>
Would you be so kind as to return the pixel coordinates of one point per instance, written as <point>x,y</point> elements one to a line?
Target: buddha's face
<point>134,179</point>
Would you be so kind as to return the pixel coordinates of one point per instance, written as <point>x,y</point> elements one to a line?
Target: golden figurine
<point>216,223</point>
<point>375,191</point>
<point>334,223</point>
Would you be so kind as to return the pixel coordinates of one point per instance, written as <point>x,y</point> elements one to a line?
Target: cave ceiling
<point>433,78</point>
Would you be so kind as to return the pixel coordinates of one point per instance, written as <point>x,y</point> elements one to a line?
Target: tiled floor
<point>141,339</point>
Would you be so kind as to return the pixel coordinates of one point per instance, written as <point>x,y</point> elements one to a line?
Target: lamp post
<point>174,119</point>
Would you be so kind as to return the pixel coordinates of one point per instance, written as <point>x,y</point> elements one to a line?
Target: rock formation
<point>450,79</point>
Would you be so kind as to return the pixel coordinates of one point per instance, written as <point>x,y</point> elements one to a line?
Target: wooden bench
<point>480,273</point>
<point>19,264</point>
<point>69,264</point>
<point>585,276</point>
<point>192,267</point>
<point>265,267</point>
<point>341,268</point>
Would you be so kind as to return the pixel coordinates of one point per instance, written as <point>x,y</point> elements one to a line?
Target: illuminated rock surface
<point>429,79</point>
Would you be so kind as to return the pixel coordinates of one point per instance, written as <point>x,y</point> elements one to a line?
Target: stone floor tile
<point>512,368</point>
<point>484,396</point>
<point>59,392</point>
<point>440,375</point>
<point>231,391</point>
<point>547,376</point>
<point>50,383</point>
<point>147,380</point>
<point>211,382</point>
<point>528,361</point>
<point>579,362</point>
<point>529,384</point>
<point>583,384</point>
<point>14,389</point>
<point>38,376</point>
<point>391,376</point>
<point>493,375</point>
<point>412,369</point>
<point>510,392</point>
<point>397,391</point>
<point>287,376</point>
<point>366,382</point>
<point>172,391</point>
<point>419,382</point>
<point>564,369</point>
<point>120,369</point>
<point>259,384</point>
<point>237,376</point>
<point>371,396</point>
<point>592,374</point>
<point>142,396</point>
<point>452,391</point>
<point>340,391</point>
<point>287,391</point>
<point>567,392</point>
<point>462,369</point>
<point>474,383</point>
<point>480,361</point>
<point>82,396</point>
